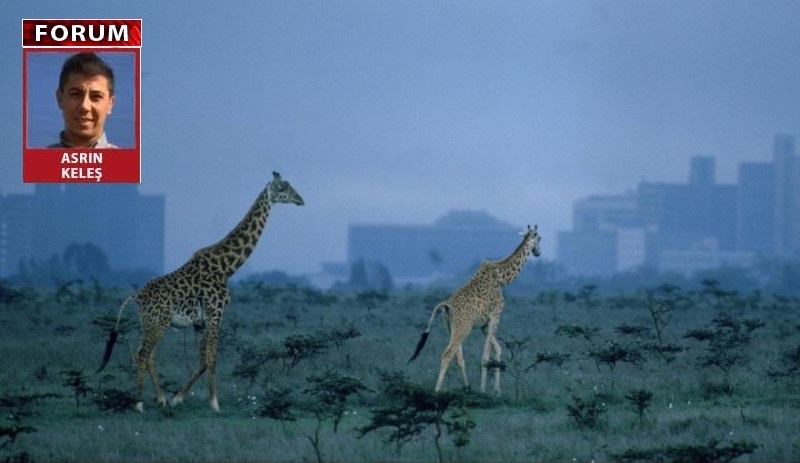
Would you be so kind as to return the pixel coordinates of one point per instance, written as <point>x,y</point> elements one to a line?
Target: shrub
<point>412,408</point>
<point>702,453</point>
<point>640,398</point>
<point>77,381</point>
<point>115,400</point>
<point>586,413</point>
<point>726,341</point>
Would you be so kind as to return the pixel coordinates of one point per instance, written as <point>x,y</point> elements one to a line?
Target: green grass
<point>691,405</point>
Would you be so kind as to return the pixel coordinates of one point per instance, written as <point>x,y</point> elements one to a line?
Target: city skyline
<point>399,112</point>
<point>686,226</point>
<point>690,226</point>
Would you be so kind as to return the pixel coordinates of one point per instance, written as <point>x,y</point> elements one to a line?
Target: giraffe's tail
<point>424,336</point>
<point>112,338</point>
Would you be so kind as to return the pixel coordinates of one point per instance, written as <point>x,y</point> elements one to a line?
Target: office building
<point>126,225</point>
<point>690,226</point>
<point>455,244</point>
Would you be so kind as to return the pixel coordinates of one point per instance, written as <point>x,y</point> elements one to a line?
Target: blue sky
<point>396,112</point>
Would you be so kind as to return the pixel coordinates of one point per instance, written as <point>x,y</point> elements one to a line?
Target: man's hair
<point>88,64</point>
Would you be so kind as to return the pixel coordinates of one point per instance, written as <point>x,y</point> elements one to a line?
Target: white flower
<point>100,427</point>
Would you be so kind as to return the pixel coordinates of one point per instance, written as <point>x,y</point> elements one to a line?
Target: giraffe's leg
<point>484,361</point>
<point>141,366</point>
<point>461,365</point>
<point>217,305</point>
<point>145,362</point>
<point>497,351</point>
<point>217,301</point>
<point>491,343</point>
<point>151,368</point>
<point>447,357</point>
<point>178,397</point>
<point>211,363</point>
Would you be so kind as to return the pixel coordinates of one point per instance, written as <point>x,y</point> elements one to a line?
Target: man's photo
<point>81,100</point>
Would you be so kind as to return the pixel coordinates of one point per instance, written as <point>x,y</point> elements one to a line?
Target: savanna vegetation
<point>653,371</point>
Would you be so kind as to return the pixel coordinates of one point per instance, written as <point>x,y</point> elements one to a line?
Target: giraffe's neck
<point>229,253</point>
<point>508,268</point>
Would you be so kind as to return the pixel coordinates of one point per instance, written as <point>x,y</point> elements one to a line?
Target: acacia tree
<point>328,395</point>
<point>410,409</point>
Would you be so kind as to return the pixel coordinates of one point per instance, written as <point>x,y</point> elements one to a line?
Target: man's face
<point>85,103</point>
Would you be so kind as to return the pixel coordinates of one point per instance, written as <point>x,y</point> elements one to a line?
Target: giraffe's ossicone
<point>196,294</point>
<point>479,302</point>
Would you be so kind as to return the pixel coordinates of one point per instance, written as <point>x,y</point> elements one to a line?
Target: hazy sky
<point>396,112</point>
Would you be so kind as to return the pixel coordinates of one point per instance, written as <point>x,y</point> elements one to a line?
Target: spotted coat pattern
<point>479,302</point>
<point>196,294</point>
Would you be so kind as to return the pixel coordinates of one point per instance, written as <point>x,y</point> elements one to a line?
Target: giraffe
<point>479,302</point>
<point>196,294</point>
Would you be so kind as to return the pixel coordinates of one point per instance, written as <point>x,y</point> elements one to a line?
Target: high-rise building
<point>677,227</point>
<point>126,225</point>
<point>755,208</point>
<point>787,196</point>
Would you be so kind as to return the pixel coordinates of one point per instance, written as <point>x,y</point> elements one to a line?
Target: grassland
<point>721,370</point>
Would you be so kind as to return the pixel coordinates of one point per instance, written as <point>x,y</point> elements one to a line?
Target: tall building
<point>679,227</point>
<point>689,213</point>
<point>16,230</point>
<point>126,225</point>
<point>452,245</point>
<point>607,230</point>
<point>755,208</point>
<point>787,196</point>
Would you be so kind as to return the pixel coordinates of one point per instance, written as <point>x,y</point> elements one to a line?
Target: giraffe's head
<point>533,238</point>
<point>281,192</point>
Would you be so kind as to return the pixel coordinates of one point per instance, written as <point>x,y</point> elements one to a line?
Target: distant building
<point>452,245</point>
<point>692,226</point>
<point>787,196</point>
<point>755,203</point>
<point>126,225</point>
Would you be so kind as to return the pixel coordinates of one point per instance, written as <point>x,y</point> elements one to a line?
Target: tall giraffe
<point>196,294</point>
<point>479,302</point>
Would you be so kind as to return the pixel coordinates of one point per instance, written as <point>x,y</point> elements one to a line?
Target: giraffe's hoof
<point>214,404</point>
<point>175,401</point>
<point>139,407</point>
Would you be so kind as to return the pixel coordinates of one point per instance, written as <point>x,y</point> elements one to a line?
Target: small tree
<point>277,405</point>
<point>586,413</point>
<point>303,346</point>
<point>329,392</point>
<point>328,395</point>
<point>640,398</point>
<point>77,381</point>
<point>726,341</point>
<point>612,353</point>
<point>515,347</point>
<point>412,408</point>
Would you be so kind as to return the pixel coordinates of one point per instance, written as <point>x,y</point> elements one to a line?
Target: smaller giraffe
<point>479,302</point>
<point>196,294</point>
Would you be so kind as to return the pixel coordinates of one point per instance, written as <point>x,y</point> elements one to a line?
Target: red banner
<point>81,165</point>
<point>82,33</point>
